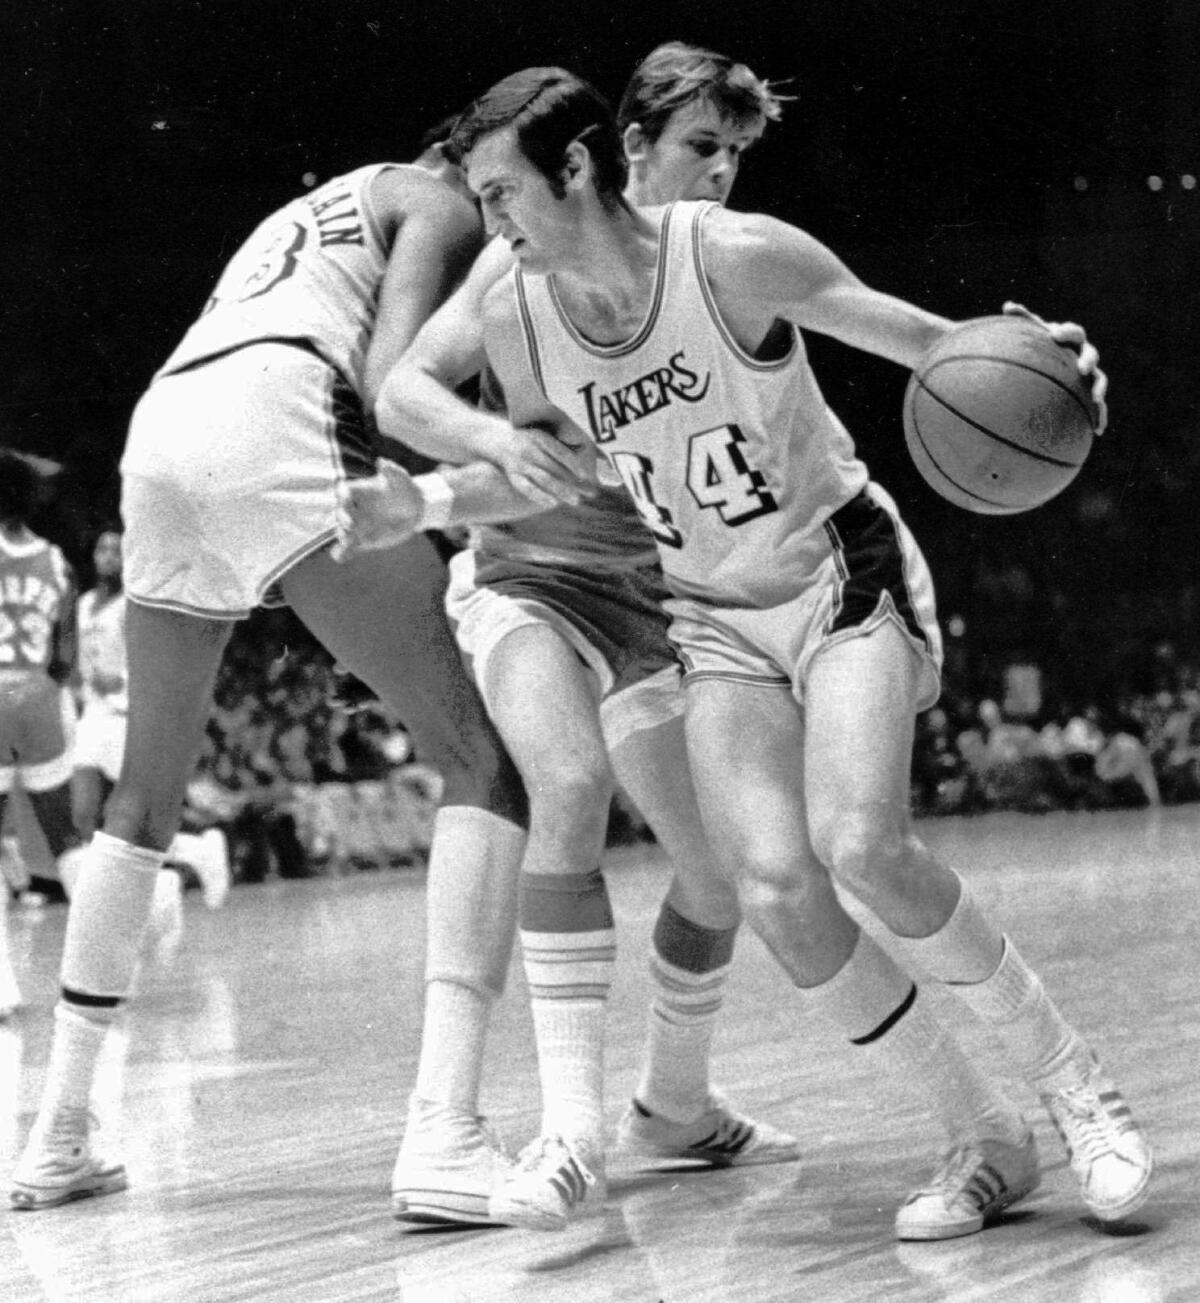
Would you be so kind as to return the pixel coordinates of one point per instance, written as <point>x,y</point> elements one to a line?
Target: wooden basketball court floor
<point>266,1066</point>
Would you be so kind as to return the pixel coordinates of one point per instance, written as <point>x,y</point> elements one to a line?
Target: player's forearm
<point>878,323</point>
<point>416,408</point>
<point>482,495</point>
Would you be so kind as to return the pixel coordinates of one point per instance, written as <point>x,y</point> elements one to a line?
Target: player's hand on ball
<point>377,513</point>
<point>1073,336</point>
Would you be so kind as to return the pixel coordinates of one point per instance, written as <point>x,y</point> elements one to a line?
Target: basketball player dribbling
<point>800,606</point>
<point>561,618</point>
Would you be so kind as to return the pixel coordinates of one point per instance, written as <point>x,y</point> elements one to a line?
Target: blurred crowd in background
<point>308,775</point>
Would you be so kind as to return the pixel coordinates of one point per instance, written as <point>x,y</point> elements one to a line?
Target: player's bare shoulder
<point>406,193</point>
<point>753,259</point>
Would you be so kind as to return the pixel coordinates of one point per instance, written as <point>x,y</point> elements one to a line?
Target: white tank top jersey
<point>604,532</point>
<point>101,633</point>
<point>734,462</point>
<point>310,272</point>
<point>34,582</point>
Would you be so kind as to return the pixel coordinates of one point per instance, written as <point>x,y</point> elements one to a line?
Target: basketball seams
<point>990,504</point>
<point>995,435</point>
<point>991,434</point>
<point>1023,366</point>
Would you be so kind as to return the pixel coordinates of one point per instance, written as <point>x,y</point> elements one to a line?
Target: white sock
<point>69,864</point>
<point>1014,1002</point>
<point>966,948</point>
<point>569,948</point>
<point>10,991</point>
<point>107,917</point>
<point>74,1051</point>
<point>689,966</point>
<point>875,1003</point>
<point>472,888</point>
<point>453,1039</point>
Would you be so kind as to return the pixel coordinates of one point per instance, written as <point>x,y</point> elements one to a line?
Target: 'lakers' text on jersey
<point>310,272</point>
<point>734,462</point>
<point>34,585</point>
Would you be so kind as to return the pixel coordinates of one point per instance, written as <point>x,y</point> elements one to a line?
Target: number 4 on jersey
<point>720,477</point>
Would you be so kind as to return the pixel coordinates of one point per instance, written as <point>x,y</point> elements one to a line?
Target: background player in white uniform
<point>801,608</point>
<point>230,474</point>
<point>100,736</point>
<point>37,652</point>
<point>561,616</point>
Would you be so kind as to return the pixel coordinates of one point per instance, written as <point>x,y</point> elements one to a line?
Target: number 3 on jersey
<point>718,477</point>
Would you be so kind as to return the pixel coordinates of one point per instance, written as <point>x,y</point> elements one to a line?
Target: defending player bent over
<point>800,606</point>
<point>229,497</point>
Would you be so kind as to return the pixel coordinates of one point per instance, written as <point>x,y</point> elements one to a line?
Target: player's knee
<point>490,782</point>
<point>864,849</point>
<point>767,883</point>
<point>572,799</point>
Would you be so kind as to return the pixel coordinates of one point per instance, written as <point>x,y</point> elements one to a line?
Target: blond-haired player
<point>800,605</point>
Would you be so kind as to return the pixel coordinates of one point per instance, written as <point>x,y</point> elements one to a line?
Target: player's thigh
<point>861,698</point>
<point>172,662</point>
<point>746,746</point>
<point>652,766</point>
<point>544,700</point>
<point>381,614</point>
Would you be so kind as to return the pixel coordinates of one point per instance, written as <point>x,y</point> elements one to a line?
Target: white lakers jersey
<point>34,582</point>
<point>101,632</point>
<point>310,272</point>
<point>734,462</point>
<point>603,532</point>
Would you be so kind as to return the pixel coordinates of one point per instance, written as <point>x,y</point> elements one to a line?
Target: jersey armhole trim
<point>528,332</point>
<point>753,363</point>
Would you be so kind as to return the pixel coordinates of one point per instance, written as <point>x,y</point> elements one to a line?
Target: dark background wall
<point>956,152</point>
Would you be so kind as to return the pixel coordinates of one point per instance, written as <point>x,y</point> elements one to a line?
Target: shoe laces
<point>70,1128</point>
<point>554,1151</point>
<point>1092,1129</point>
<point>956,1170</point>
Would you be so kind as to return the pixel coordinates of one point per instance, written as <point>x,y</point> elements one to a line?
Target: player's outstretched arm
<point>760,264</point>
<point>418,404</point>
<point>391,506</point>
<point>763,269</point>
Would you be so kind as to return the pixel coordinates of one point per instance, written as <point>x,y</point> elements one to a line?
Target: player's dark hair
<point>675,74</point>
<point>438,134</point>
<point>550,109</point>
<point>20,486</point>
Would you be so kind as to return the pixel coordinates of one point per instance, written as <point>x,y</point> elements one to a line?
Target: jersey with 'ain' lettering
<point>34,584</point>
<point>734,462</point>
<point>309,272</point>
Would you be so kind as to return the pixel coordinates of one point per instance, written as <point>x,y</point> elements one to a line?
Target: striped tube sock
<point>689,966</point>
<point>873,1001</point>
<point>569,947</point>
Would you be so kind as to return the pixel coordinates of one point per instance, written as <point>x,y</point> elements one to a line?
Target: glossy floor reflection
<point>263,1074</point>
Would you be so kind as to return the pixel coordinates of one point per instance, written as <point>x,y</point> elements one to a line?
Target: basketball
<point>997,418</point>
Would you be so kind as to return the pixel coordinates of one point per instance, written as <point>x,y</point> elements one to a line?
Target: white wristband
<point>438,497</point>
